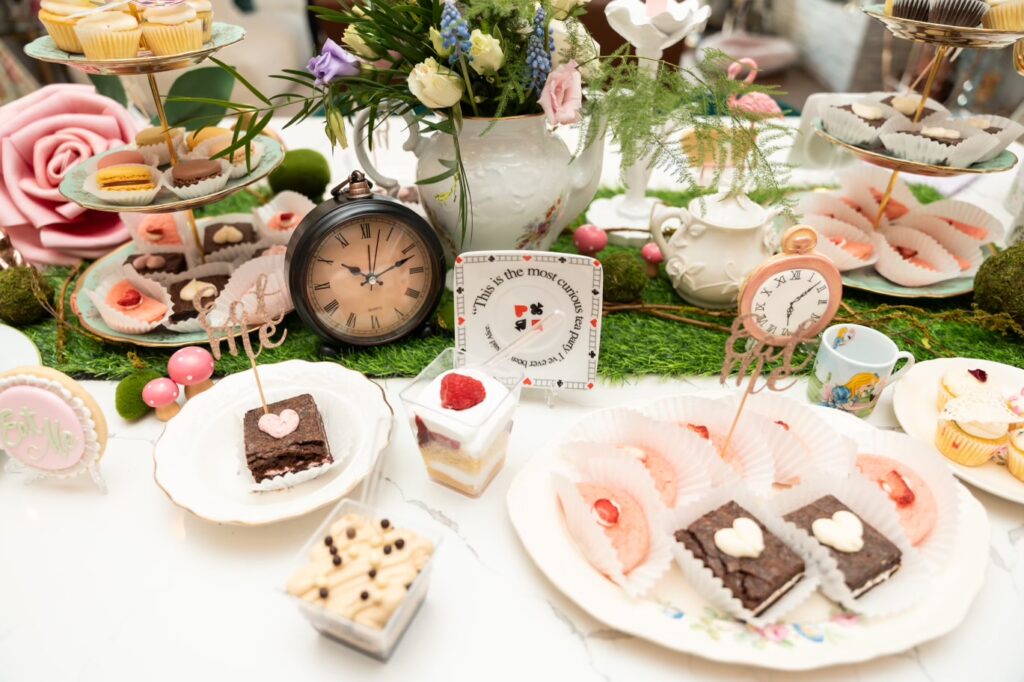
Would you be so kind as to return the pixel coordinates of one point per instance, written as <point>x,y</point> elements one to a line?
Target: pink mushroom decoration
<point>191,367</point>
<point>753,102</point>
<point>162,395</point>
<point>589,240</point>
<point>652,254</point>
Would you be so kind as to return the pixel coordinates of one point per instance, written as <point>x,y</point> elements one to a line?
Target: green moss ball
<point>128,394</point>
<point>997,284</point>
<point>304,171</point>
<point>18,303</point>
<point>624,277</point>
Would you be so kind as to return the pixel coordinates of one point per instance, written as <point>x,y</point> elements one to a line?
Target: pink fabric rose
<point>562,96</point>
<point>42,136</point>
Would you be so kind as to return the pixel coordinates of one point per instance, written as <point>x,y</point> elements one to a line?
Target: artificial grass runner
<point>632,343</point>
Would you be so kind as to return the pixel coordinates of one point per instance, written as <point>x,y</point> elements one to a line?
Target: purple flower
<point>332,63</point>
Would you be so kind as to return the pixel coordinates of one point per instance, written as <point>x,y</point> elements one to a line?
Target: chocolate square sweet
<point>304,448</point>
<point>148,263</point>
<point>758,582</point>
<point>873,564</point>
<point>183,308</point>
<point>873,122</point>
<point>219,236</point>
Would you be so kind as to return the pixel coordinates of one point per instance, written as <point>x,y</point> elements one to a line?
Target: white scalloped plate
<point>814,636</point>
<point>198,459</point>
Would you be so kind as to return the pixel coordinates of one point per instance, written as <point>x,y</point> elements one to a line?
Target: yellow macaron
<point>125,178</point>
<point>200,136</point>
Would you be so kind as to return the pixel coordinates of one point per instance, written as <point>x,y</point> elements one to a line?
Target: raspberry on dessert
<point>701,431</point>
<point>906,252</point>
<point>606,511</point>
<point>461,392</point>
<point>897,488</point>
<point>782,424</point>
<point>130,298</point>
<point>979,374</point>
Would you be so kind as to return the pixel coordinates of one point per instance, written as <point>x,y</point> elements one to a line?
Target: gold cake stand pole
<point>937,61</point>
<point>174,156</point>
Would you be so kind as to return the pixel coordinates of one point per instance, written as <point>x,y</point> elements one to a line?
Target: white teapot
<point>720,239</point>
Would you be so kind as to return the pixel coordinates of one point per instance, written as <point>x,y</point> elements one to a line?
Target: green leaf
<point>110,86</point>
<point>208,83</point>
<point>241,79</point>
<point>437,178</point>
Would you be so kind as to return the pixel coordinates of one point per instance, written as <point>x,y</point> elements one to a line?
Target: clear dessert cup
<point>463,448</point>
<point>379,643</point>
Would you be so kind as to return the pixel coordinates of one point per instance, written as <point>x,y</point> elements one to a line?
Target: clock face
<point>371,278</point>
<point>787,297</point>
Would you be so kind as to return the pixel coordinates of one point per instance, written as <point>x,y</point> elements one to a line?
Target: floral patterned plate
<point>816,635</point>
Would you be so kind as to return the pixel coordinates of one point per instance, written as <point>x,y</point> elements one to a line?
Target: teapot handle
<point>661,214</point>
<point>412,144</point>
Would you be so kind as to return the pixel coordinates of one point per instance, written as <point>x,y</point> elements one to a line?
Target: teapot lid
<point>729,210</point>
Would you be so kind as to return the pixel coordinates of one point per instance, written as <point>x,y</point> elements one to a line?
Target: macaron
<point>129,156</point>
<point>155,135</point>
<point>125,178</point>
<point>197,137</point>
<point>194,171</point>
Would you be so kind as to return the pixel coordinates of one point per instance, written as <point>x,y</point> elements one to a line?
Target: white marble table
<point>128,586</point>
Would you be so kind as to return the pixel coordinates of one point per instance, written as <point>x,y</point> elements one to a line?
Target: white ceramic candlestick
<point>650,28</point>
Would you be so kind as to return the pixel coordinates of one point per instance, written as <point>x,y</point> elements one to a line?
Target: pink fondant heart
<point>279,425</point>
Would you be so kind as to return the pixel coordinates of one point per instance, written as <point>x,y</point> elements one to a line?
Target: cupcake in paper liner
<point>129,303</point>
<point>913,259</point>
<point>920,488</point>
<point>204,282</point>
<point>947,143</point>
<point>971,220</point>
<point>152,141</point>
<point>737,553</point>
<point>967,13</point>
<point>614,516</point>
<point>747,454</point>
<point>160,232</point>
<point>1004,129</point>
<point>1005,16</point>
<point>243,282</point>
<point>868,180</point>
<point>846,246</point>
<point>866,562</point>
<point>915,10</point>
<point>210,148</point>
<point>831,206</point>
<point>195,178</point>
<point>678,462</point>
<point>858,123</point>
<point>905,104</point>
<point>230,238</point>
<point>143,183</point>
<point>278,218</point>
<point>974,428</point>
<point>966,251</point>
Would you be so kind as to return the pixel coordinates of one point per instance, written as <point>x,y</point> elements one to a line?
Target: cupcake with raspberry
<point>974,428</point>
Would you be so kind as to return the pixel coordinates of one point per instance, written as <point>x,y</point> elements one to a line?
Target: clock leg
<point>329,351</point>
<point>426,329</point>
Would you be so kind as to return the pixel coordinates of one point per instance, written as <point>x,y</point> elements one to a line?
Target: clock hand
<point>398,264</point>
<point>353,270</point>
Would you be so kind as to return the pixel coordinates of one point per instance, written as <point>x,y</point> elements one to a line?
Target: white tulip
<point>485,53</point>
<point>587,48</point>
<point>434,85</point>
<point>438,43</point>
<point>564,7</point>
<point>352,38</point>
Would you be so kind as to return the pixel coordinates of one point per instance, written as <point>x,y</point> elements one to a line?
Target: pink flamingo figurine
<point>753,102</point>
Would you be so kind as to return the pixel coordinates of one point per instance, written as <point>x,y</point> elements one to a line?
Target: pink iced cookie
<point>914,500</point>
<point>664,475</point>
<point>623,521</point>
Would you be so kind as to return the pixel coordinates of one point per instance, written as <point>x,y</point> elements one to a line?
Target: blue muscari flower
<point>538,59</point>
<point>454,32</point>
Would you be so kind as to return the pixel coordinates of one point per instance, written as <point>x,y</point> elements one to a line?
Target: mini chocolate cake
<point>873,564</point>
<point>148,263</point>
<point>184,308</point>
<point>758,582</point>
<point>925,113</point>
<point>873,122</point>
<point>301,449</point>
<point>210,239</point>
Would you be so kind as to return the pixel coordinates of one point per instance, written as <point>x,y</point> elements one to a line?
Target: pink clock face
<point>788,295</point>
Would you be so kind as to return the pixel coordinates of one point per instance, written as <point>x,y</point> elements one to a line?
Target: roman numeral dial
<point>787,298</point>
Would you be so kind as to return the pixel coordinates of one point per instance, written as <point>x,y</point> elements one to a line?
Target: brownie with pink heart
<point>287,437</point>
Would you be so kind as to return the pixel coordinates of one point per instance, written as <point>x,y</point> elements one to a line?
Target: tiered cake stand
<point>147,64</point>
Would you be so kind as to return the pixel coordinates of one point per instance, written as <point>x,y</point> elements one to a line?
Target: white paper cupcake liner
<point>268,248</point>
<point>968,214</point>
<point>201,188</point>
<point>711,587</point>
<point>962,247</point>
<point>133,221</point>
<point>160,152</point>
<point>875,180</point>
<point>895,268</point>
<point>905,588</point>
<point>631,478</point>
<point>236,253</point>
<point>117,320</point>
<point>203,151</point>
<point>277,297</point>
<point>691,457</point>
<point>829,206</point>
<point>1010,130</point>
<point>828,228</point>
<point>139,197</point>
<point>851,128</point>
<point>937,546</point>
<point>748,456</point>
<point>284,202</point>
<point>971,148</point>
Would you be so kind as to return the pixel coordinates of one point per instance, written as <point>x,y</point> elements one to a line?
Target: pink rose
<point>562,96</point>
<point>42,136</point>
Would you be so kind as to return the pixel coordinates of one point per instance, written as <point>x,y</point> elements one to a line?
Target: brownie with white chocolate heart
<point>288,438</point>
<point>219,236</point>
<point>185,293</point>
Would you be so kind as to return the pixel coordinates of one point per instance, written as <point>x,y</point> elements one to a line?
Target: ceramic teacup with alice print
<point>853,366</point>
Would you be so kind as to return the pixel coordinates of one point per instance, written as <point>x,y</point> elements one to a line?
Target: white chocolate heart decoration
<point>843,532</point>
<point>229,234</point>
<point>279,425</point>
<point>744,539</point>
<point>197,288</point>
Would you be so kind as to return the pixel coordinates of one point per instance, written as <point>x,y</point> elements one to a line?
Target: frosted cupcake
<point>1015,454</point>
<point>1005,16</point>
<point>172,29</point>
<point>959,382</point>
<point>204,11</point>
<point>109,35</point>
<point>974,428</point>
<point>57,17</point>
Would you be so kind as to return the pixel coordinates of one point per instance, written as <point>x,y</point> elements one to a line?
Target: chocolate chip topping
<point>408,585</point>
<point>384,523</point>
<point>399,543</point>
<point>387,549</point>
<point>364,595</point>
<point>350,533</point>
<point>372,573</point>
<point>329,541</point>
<point>323,593</point>
<point>336,560</point>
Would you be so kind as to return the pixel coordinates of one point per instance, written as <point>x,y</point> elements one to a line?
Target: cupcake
<point>58,18</point>
<point>204,11</point>
<point>172,29</point>
<point>958,12</point>
<point>961,381</point>
<point>1015,454</point>
<point>915,10</point>
<point>974,428</point>
<point>1005,16</point>
<point>109,35</point>
<point>1016,405</point>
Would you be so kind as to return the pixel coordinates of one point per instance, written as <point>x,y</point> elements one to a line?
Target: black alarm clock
<point>363,269</point>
